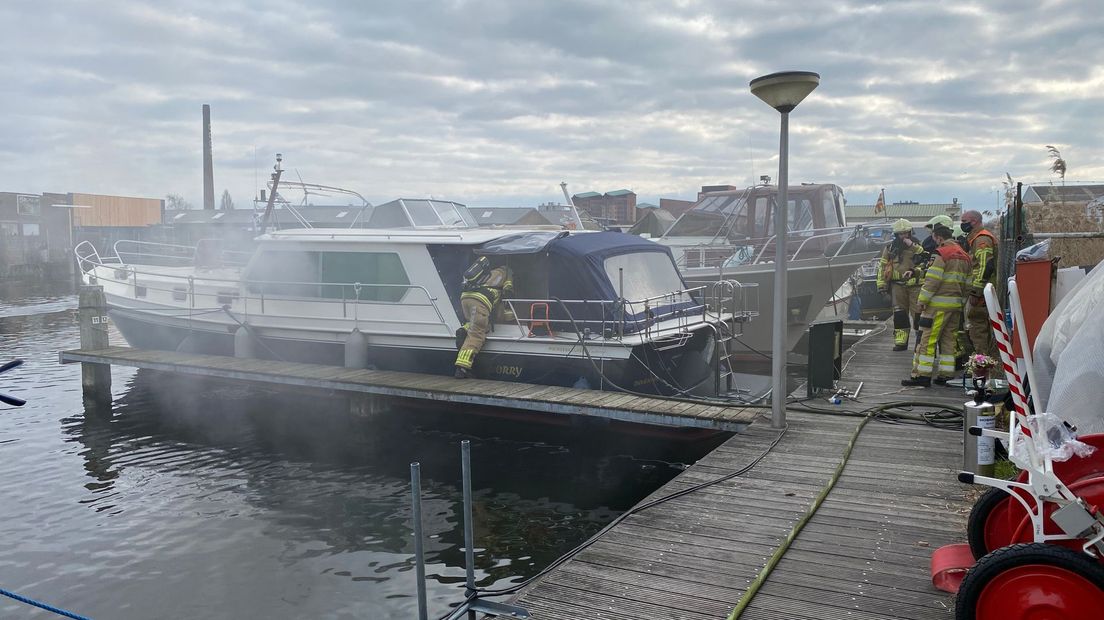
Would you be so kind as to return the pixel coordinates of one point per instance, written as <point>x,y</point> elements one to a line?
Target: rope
<point>50,608</point>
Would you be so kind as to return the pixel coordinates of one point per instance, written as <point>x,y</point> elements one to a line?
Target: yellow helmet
<point>942,220</point>
<point>902,225</point>
<point>957,231</point>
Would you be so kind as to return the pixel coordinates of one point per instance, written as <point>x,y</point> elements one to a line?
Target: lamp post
<point>781,91</point>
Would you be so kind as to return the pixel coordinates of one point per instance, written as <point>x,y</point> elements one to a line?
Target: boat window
<point>763,215</point>
<point>646,274</point>
<point>377,273</point>
<point>448,214</point>
<point>696,224</point>
<point>828,206</point>
<point>800,215</point>
<point>284,272</point>
<point>421,212</point>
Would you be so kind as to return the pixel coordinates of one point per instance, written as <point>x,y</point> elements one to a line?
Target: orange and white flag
<point>879,207</point>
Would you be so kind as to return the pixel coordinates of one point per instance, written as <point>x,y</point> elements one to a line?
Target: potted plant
<point>978,365</point>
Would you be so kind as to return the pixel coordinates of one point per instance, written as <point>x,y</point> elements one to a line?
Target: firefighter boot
<point>900,339</point>
<point>900,330</point>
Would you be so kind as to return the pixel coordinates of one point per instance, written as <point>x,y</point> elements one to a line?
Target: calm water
<point>215,500</point>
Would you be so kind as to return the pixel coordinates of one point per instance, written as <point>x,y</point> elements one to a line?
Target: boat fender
<point>245,345</point>
<point>356,350</point>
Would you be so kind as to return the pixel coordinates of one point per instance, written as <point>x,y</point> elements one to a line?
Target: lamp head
<point>783,91</point>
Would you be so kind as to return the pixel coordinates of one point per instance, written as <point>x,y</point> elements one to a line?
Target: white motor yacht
<point>729,236</point>
<point>589,309</point>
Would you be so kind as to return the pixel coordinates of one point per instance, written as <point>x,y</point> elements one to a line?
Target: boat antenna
<point>571,203</point>
<point>277,171</point>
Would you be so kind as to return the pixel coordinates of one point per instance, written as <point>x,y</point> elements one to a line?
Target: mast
<point>277,171</point>
<point>571,203</point>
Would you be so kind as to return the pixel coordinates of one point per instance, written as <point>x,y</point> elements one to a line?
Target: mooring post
<point>469,527</point>
<point>92,316</point>
<point>419,553</point>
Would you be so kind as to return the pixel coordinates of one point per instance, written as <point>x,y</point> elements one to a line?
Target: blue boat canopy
<point>599,267</point>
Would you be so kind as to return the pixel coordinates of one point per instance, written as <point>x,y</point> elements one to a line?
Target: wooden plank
<point>864,555</point>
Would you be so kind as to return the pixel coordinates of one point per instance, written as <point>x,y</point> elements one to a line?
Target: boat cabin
<point>740,223</point>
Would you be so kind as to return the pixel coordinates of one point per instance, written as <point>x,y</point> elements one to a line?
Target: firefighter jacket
<point>489,288</point>
<point>897,260</point>
<point>944,288</point>
<point>983,253</point>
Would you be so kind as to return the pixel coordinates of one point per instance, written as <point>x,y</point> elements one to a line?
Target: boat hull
<point>645,369</point>
<point>810,286</point>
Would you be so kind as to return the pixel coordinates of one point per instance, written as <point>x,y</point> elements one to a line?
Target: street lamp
<point>782,91</point>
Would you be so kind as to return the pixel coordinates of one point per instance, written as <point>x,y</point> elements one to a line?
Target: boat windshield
<point>645,275</point>
<point>417,213</point>
<point>732,217</point>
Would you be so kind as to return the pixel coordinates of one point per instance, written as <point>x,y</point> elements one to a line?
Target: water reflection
<point>198,498</point>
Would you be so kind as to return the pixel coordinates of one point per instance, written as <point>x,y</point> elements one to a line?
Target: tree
<point>1059,165</point>
<point>227,203</point>
<point>176,202</point>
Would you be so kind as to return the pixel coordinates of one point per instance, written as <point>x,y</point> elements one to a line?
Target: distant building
<point>709,189</point>
<point>34,235</point>
<point>1046,194</point>
<point>509,216</point>
<point>38,231</point>
<point>617,207</point>
<point>915,212</point>
<point>674,206</point>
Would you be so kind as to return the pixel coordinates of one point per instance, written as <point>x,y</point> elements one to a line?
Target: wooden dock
<point>864,555</point>
<point>518,396</point>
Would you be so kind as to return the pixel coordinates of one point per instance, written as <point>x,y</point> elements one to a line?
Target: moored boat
<point>597,310</point>
<point>729,235</point>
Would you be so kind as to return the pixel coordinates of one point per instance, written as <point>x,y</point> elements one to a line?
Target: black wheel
<point>991,522</point>
<point>1032,581</point>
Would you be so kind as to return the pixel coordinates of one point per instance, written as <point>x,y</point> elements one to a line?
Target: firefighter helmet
<point>942,220</point>
<point>901,226</point>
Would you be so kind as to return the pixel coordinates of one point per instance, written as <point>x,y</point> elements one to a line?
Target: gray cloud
<point>494,102</point>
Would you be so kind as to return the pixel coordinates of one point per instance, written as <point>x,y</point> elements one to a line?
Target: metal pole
<point>469,534</point>
<point>778,337</point>
<point>419,553</point>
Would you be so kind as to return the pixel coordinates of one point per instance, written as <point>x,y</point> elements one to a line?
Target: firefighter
<point>484,286</point>
<point>983,254</point>
<point>897,275</point>
<point>941,298</point>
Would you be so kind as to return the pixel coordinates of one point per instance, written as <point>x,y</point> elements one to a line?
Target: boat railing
<point>191,295</point>
<point>660,318</point>
<point>206,253</point>
<point>825,237</point>
<point>756,250</point>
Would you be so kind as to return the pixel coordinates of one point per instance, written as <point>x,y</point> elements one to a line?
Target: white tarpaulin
<point>1069,356</point>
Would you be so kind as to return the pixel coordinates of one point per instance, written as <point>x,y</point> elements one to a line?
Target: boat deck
<point>864,555</point>
<point>518,396</point>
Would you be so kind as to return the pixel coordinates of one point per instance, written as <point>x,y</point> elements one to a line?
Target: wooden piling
<point>92,316</point>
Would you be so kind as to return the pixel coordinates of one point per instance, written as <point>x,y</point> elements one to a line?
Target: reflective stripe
<point>478,296</point>
<point>464,358</point>
<point>981,257</point>
<point>954,277</point>
<point>951,302</point>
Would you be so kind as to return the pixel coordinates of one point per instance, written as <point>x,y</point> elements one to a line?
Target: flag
<point>879,207</point>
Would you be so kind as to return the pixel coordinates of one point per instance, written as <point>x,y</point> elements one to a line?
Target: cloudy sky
<point>494,102</point>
